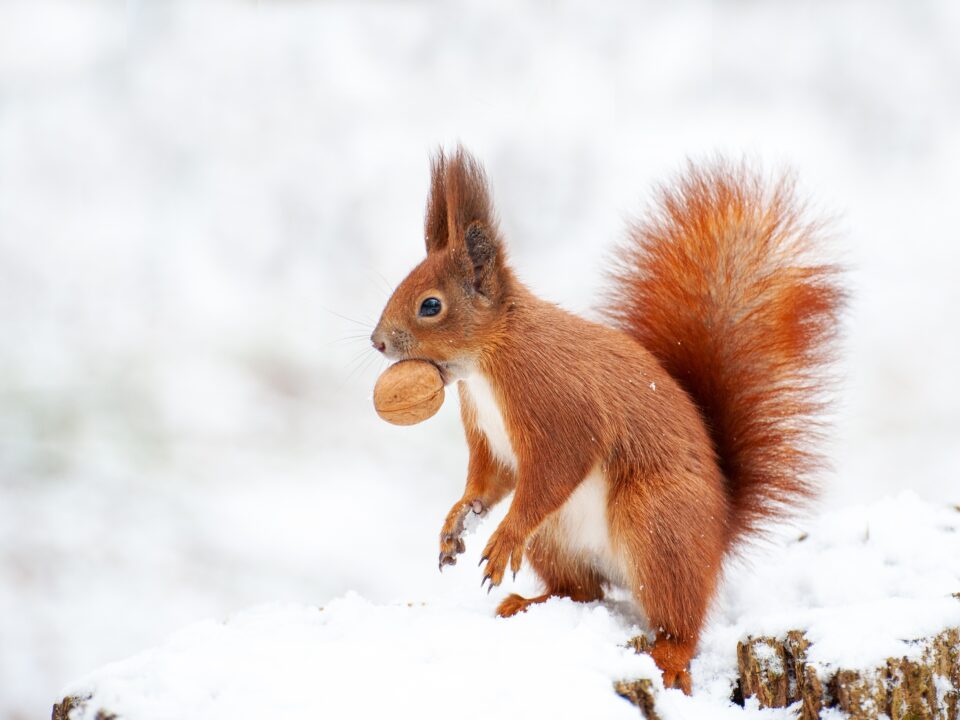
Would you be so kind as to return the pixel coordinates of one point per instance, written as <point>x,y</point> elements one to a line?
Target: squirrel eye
<point>430,307</point>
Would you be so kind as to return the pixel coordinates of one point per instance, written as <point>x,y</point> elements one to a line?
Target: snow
<point>860,597</point>
<point>352,658</point>
<point>863,583</point>
<point>203,207</point>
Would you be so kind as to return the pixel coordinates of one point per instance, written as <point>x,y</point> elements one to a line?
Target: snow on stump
<point>641,693</point>
<point>776,672</point>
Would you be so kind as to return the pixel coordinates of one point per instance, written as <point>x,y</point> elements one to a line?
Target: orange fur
<point>638,454</point>
<point>723,286</point>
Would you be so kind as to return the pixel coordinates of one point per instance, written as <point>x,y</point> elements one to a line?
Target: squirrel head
<point>446,309</point>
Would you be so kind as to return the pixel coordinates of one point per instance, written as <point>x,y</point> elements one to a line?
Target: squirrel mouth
<point>445,373</point>
<point>449,371</point>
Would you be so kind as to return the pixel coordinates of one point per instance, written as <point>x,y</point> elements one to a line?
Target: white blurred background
<point>203,208</point>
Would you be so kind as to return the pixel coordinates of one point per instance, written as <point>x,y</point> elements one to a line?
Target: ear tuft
<point>435,229</point>
<point>458,197</point>
<point>460,218</point>
<point>467,194</point>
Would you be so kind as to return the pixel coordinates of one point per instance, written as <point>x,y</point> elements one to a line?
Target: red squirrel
<point>639,452</point>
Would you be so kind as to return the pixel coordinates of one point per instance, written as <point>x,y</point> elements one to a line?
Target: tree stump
<point>776,672</point>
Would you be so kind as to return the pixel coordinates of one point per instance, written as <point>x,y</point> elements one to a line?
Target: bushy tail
<point>722,284</point>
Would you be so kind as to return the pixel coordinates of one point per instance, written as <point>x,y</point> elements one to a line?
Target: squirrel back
<point>722,283</point>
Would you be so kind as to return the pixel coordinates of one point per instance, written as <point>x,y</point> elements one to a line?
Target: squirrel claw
<point>456,541</point>
<point>451,536</point>
<point>503,551</point>
<point>446,559</point>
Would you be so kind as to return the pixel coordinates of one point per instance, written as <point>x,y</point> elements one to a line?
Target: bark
<point>61,711</point>
<point>640,693</point>
<point>775,671</point>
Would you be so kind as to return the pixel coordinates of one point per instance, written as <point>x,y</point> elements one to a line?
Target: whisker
<point>386,283</point>
<point>355,360</point>
<point>351,338</point>
<point>348,319</point>
<point>358,369</point>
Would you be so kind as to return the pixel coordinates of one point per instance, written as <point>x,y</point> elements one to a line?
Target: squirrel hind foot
<point>514,604</point>
<point>673,658</point>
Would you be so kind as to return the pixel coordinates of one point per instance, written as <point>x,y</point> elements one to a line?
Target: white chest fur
<point>584,527</point>
<point>582,521</point>
<point>489,418</point>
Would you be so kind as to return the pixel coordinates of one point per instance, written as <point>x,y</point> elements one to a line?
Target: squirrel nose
<point>377,343</point>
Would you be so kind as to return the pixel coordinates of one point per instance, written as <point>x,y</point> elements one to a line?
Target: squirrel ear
<point>435,231</point>
<point>483,250</point>
<point>460,218</point>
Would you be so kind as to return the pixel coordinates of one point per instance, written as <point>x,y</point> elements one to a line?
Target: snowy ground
<point>861,583</point>
<point>202,207</point>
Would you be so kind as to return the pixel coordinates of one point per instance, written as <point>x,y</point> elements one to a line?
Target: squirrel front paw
<point>451,535</point>
<point>504,546</point>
